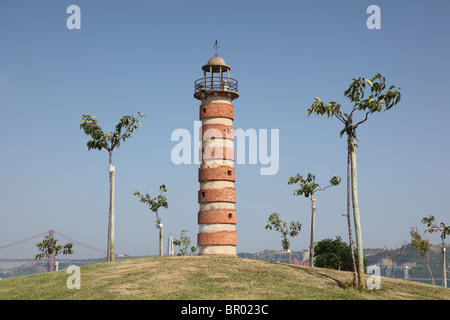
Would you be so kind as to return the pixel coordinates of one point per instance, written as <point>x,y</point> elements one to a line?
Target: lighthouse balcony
<point>216,83</point>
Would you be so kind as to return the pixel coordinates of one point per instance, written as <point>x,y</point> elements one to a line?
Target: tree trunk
<point>51,233</point>
<point>161,239</point>
<point>349,222</point>
<point>429,270</point>
<point>311,247</point>
<point>160,225</point>
<point>444,267</point>
<point>110,250</point>
<point>359,244</point>
<point>113,255</point>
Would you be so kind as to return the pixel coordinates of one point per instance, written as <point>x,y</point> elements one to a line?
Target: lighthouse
<point>217,196</point>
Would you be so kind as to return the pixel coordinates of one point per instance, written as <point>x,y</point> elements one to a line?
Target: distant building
<point>400,272</point>
<point>305,255</point>
<point>170,246</point>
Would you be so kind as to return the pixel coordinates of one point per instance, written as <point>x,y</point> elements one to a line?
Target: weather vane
<point>216,46</point>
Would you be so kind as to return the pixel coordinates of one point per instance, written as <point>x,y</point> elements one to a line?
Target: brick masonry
<point>218,235</point>
<point>219,173</point>
<point>217,195</point>
<point>224,153</point>
<point>217,131</point>
<point>217,238</point>
<point>216,109</point>
<point>217,216</point>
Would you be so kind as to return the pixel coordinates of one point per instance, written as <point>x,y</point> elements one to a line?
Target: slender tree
<point>279,225</point>
<point>184,242</point>
<point>422,247</point>
<point>444,232</point>
<point>49,247</point>
<point>308,187</point>
<point>154,204</point>
<point>392,256</point>
<point>109,141</point>
<point>379,99</point>
<point>349,221</point>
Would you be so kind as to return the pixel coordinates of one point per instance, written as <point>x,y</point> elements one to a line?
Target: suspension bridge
<point>24,251</point>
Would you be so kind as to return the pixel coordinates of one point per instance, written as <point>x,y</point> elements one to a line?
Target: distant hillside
<point>377,256</point>
<point>409,257</point>
<point>277,256</point>
<point>28,269</point>
<point>23,270</point>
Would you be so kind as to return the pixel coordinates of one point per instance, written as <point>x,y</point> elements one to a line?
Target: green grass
<point>210,278</point>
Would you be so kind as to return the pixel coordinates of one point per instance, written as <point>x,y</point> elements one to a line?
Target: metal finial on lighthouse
<point>216,46</point>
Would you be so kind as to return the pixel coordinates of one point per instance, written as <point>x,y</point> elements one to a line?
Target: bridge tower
<point>217,195</point>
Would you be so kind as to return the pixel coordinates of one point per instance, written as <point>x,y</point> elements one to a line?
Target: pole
<point>313,214</point>
<point>211,77</point>
<point>350,237</point>
<point>112,170</point>
<point>444,267</point>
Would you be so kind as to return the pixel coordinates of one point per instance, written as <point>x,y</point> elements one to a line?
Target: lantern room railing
<point>216,83</point>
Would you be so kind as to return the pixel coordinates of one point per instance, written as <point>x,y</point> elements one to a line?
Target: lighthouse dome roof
<point>215,62</point>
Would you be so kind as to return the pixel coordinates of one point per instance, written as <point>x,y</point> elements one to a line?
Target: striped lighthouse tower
<point>217,195</point>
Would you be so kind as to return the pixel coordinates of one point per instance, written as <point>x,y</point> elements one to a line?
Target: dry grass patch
<point>212,278</point>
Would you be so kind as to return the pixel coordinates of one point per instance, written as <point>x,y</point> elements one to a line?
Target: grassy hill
<point>211,278</point>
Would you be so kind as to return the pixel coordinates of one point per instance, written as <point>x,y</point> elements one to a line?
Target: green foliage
<point>308,186</point>
<point>279,225</point>
<point>49,247</point>
<point>333,254</point>
<point>377,100</point>
<point>184,242</point>
<point>109,141</point>
<point>422,246</point>
<point>155,203</point>
<point>434,227</point>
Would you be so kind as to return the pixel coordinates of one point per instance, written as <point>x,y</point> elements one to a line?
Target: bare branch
<point>321,189</point>
<point>340,117</point>
<point>362,121</point>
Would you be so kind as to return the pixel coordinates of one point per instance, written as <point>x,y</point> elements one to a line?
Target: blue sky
<point>144,56</point>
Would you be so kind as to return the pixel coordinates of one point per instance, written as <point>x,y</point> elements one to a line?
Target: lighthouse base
<point>217,251</point>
